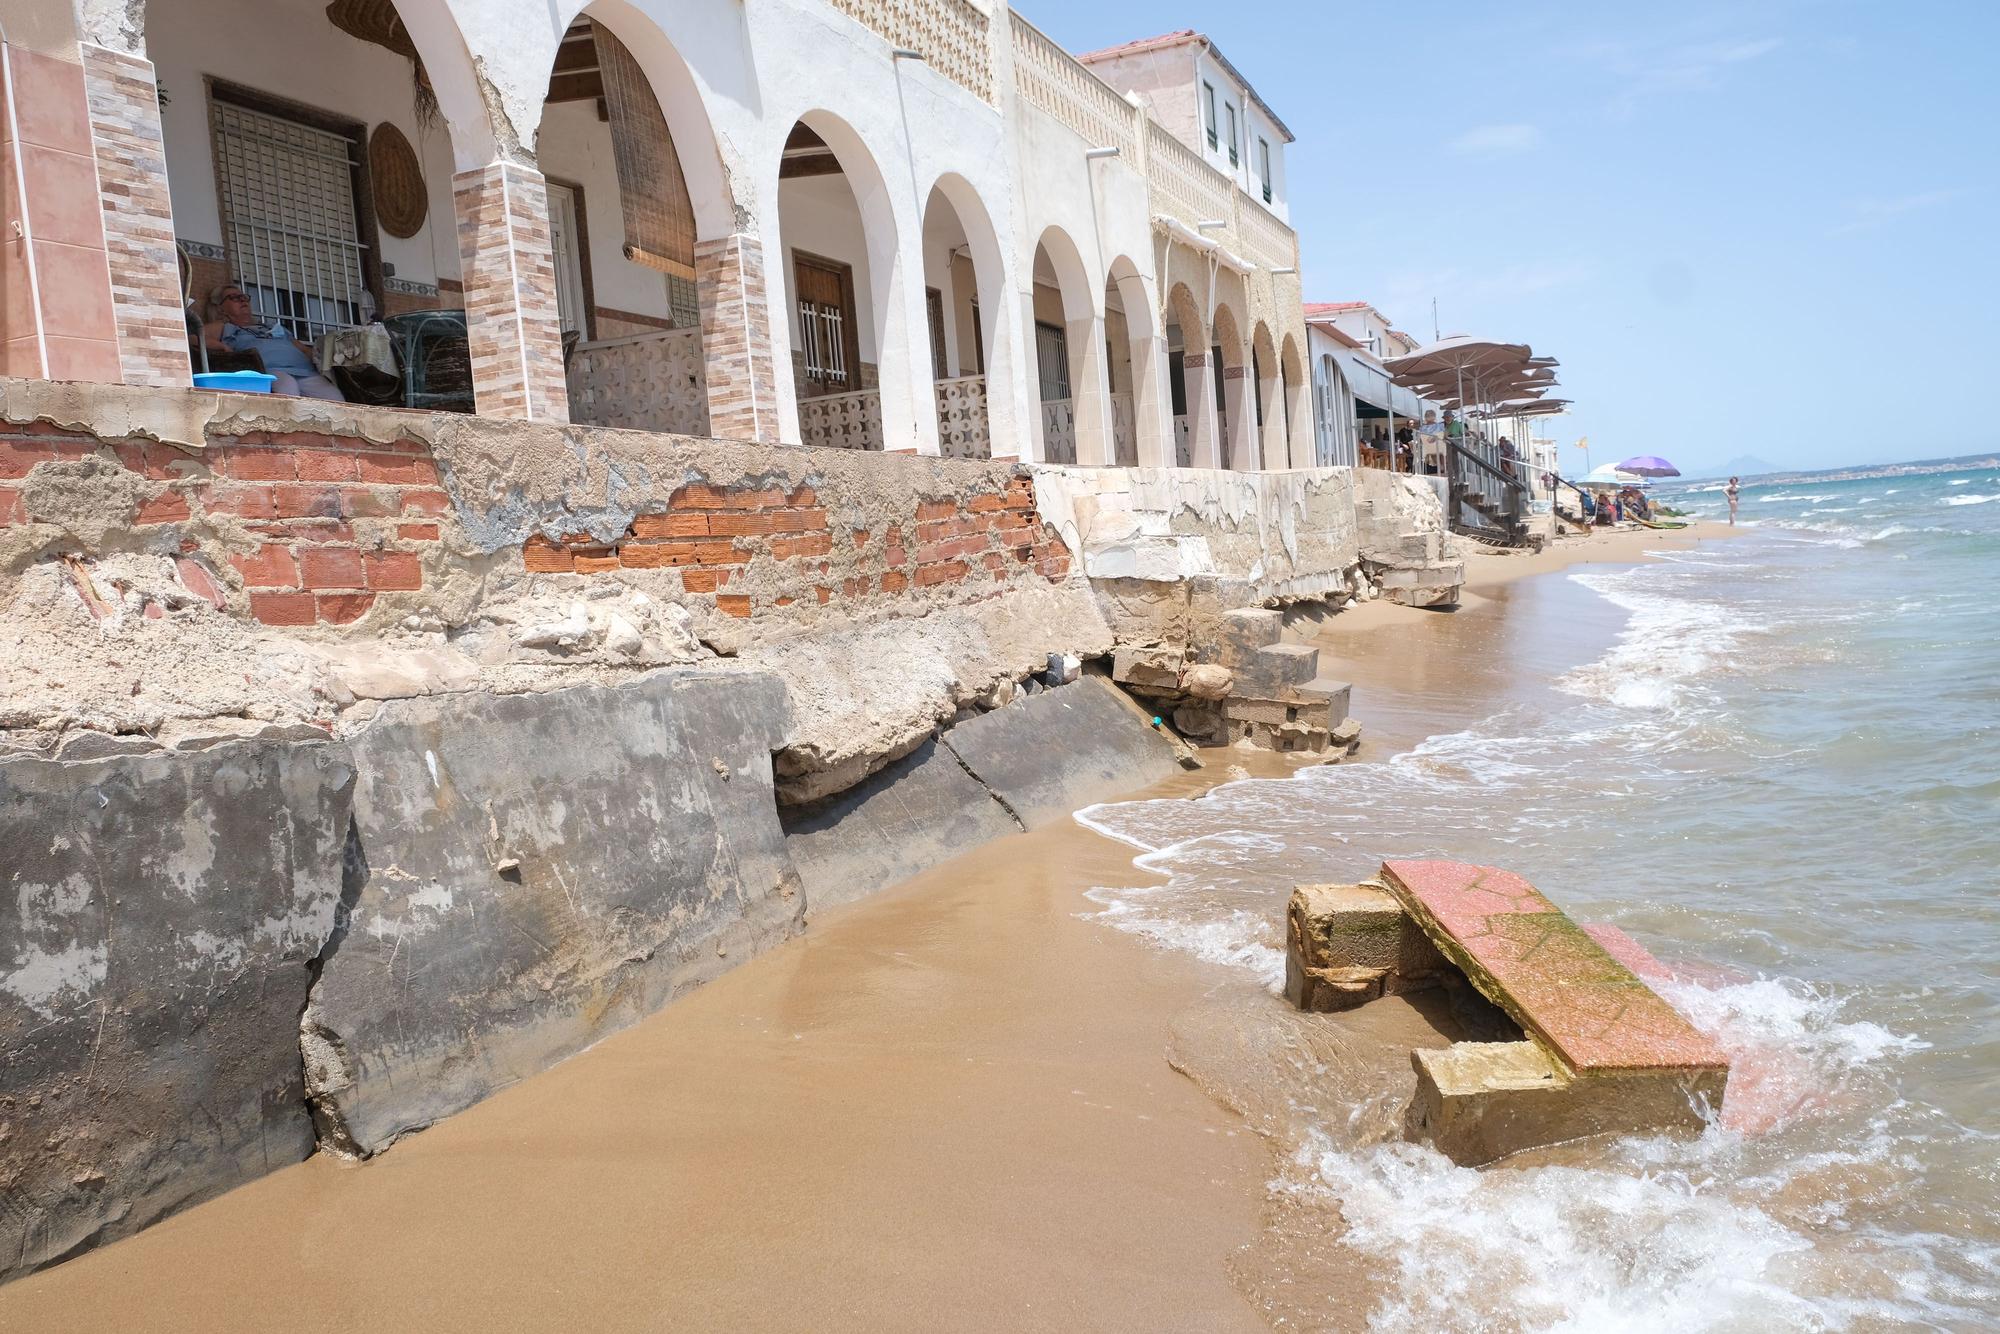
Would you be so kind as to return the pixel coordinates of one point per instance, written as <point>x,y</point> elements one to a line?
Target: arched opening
<point>322,188</point>
<point>629,163</point>
<point>1136,355</point>
<point>1297,401</point>
<point>840,266</point>
<point>1269,395</point>
<point>961,313</point>
<point>1236,423</point>
<point>1333,429</point>
<point>1068,358</point>
<point>1193,382</point>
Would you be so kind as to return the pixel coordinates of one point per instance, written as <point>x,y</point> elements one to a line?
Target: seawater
<point>1782,774</point>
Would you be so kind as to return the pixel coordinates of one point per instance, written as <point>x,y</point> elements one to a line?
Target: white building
<point>913,225</point>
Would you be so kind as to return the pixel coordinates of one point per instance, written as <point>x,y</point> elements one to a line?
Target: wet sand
<point>949,1106</point>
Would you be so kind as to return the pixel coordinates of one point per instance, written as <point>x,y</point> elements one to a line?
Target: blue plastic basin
<point>241,382</point>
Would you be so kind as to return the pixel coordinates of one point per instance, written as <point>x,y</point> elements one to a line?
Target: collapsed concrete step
<point>1425,584</point>
<point>1270,671</point>
<point>1304,718</point>
<point>1248,629</point>
<point>165,909</point>
<point>1600,1052</point>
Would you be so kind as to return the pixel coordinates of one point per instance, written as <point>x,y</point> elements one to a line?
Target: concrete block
<point>1148,667</point>
<point>163,913</point>
<point>1063,749</point>
<point>1339,936</point>
<point>534,872</point>
<point>897,823</point>
<point>1276,712</point>
<point>1269,671</point>
<point>1481,1101</point>
<point>1248,629</point>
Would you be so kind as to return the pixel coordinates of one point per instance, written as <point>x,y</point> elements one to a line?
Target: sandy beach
<point>950,1106</point>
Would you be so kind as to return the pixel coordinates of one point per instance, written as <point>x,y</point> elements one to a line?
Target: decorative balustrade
<point>1266,238</point>
<point>1053,81</point>
<point>842,421</point>
<point>962,429</point>
<point>1124,432</point>
<point>1059,431</point>
<point>1184,186</point>
<point>647,382</point>
<point>954,37</point>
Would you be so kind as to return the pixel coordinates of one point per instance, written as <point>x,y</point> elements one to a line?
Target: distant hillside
<point>1743,465</point>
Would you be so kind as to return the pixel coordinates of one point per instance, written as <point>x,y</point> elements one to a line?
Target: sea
<point>1775,761</point>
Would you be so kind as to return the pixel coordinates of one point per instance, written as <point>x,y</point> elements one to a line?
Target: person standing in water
<point>1732,491</point>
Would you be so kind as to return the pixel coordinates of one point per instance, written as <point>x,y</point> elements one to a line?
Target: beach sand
<point>949,1106</point>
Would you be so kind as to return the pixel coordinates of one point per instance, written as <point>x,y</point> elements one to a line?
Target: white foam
<point>1960,481</point>
<point>1970,500</point>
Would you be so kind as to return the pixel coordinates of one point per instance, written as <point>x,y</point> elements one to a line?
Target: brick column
<point>1240,410</point>
<point>736,338</point>
<point>510,292</point>
<point>138,217</point>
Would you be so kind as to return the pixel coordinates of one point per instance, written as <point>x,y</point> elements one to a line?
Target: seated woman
<point>234,327</point>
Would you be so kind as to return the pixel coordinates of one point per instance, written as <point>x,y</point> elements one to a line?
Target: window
<point>1264,166</point>
<point>934,309</point>
<point>288,216</point>
<point>1231,110</point>
<point>1052,360</point>
<point>1208,111</point>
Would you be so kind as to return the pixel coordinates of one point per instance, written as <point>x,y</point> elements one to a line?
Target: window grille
<point>1052,359</point>
<point>684,300</point>
<point>1230,110</point>
<point>288,219</point>
<point>820,336</point>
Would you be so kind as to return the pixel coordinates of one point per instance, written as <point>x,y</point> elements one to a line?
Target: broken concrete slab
<point>897,823</point>
<point>1346,944</point>
<point>1050,754</point>
<point>168,908</point>
<point>534,872</point>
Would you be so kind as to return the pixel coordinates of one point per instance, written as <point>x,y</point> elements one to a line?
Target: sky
<point>1769,227</point>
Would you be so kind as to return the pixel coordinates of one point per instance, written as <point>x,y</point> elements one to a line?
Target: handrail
<point>1500,476</point>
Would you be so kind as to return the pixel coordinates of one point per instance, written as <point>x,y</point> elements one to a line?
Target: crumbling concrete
<point>1407,554</point>
<point>166,912</point>
<point>533,872</point>
<point>1602,1053</point>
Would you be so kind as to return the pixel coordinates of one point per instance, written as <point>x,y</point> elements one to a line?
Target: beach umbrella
<point>1649,465</point>
<point>1611,474</point>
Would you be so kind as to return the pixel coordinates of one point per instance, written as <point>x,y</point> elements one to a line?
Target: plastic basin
<point>240,382</point>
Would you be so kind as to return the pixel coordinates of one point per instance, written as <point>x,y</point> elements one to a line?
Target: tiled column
<point>1204,440</point>
<point>510,292</point>
<point>138,217</point>
<point>56,282</point>
<point>1152,404</point>
<point>1272,451</point>
<point>1090,394</point>
<point>736,338</point>
<point>1241,410</point>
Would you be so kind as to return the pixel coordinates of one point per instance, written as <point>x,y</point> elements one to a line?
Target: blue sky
<point>1765,228</point>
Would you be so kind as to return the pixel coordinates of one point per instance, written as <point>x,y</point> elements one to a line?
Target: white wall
<point>576,146</point>
<point>819,216</point>
<point>286,49</point>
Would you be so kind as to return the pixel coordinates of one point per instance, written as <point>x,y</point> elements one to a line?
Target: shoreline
<point>954,1077</point>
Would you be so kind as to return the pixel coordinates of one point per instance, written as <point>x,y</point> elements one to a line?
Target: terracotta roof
<point>1324,307</point>
<point>1333,331</point>
<point>1184,37</point>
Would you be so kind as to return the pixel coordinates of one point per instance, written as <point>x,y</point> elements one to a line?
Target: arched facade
<point>1295,396</point>
<point>1144,358</point>
<point>1269,390</point>
<point>1195,381</point>
<point>1237,424</point>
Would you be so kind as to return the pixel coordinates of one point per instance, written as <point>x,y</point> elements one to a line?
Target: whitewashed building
<point>912,225</point>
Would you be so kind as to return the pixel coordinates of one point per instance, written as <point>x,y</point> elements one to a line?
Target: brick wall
<point>334,521</point>
<point>962,548</point>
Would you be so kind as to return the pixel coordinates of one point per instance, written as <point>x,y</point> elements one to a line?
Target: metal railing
<point>1486,499</point>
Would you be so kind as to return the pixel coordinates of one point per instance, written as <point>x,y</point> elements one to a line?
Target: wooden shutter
<point>659,217</point>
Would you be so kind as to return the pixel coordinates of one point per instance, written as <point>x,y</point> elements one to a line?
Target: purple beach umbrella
<point>1649,465</point>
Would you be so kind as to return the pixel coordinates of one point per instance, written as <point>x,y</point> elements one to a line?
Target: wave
<point>1960,481</point>
<point>1969,500</point>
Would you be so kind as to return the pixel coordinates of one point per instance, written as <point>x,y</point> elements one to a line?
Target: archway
<point>841,271</point>
<point>1268,391</point>
<point>961,282</point>
<point>1297,409</point>
<point>1069,355</point>
<point>1137,351</point>
<point>1193,382</point>
<point>1333,432</point>
<point>1236,422</point>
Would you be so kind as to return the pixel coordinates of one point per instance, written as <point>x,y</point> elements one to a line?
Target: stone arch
<point>1141,423</point>
<point>1192,380</point>
<point>1237,417</point>
<point>1267,395</point>
<point>1296,396</point>
<point>969,279</point>
<point>1074,423</point>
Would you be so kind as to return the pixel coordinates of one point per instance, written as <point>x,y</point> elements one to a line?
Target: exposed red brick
<point>197,579</point>
<point>937,509</point>
<point>541,556</point>
<point>895,556</point>
<point>743,523</point>
<point>697,496</point>
<point>284,608</point>
<point>256,464</point>
<point>330,567</point>
<point>812,544</point>
<point>307,530</point>
<point>596,560</point>
<point>18,456</point>
<point>944,572</point>
<point>323,465</point>
<point>342,608</point>
<point>403,469</point>
<point>720,553</point>
<point>153,460</point>
<point>417,532</point>
<point>293,440</point>
<point>433,503</point>
<point>656,555</point>
<point>270,566</point>
<point>732,604</point>
<point>798,520</point>
<point>11,508</point>
<point>703,581</point>
<point>860,538</point>
<point>985,504</point>
<point>358,502</point>
<point>784,602</point>
<point>767,498</point>
<point>824,594</point>
<point>802,495</point>
<point>167,507</point>
<point>399,570</point>
<point>670,525</point>
<point>245,502</point>
<point>307,502</point>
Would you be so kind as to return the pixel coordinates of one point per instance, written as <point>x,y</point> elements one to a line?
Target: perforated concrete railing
<point>1050,79</point>
<point>649,382</point>
<point>1266,239</point>
<point>1059,430</point>
<point>842,421</point>
<point>953,37</point>
<point>1184,186</point>
<point>1124,434</point>
<point>962,429</point>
